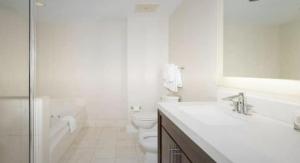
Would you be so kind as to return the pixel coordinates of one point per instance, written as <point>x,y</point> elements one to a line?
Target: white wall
<point>112,64</point>
<point>87,60</point>
<point>251,50</point>
<point>147,53</point>
<point>193,44</point>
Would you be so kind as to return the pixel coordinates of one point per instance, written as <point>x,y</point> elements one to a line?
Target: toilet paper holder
<point>136,108</point>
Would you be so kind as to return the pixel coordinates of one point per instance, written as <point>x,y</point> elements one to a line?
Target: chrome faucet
<point>239,103</point>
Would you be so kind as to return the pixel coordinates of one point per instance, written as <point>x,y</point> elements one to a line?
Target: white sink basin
<point>211,115</point>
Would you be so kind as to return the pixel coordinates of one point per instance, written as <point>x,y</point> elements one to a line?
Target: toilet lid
<point>145,116</point>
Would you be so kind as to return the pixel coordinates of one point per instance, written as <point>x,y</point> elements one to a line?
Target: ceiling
<point>262,11</point>
<point>65,10</point>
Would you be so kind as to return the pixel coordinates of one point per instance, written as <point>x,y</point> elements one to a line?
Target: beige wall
<point>193,44</point>
<point>290,50</point>
<point>87,60</point>
<point>262,51</point>
<point>14,79</point>
<point>14,49</point>
<point>251,50</point>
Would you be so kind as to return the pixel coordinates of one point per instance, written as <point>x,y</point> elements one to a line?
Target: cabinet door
<point>190,152</point>
<point>170,151</point>
<point>184,159</point>
<point>167,143</point>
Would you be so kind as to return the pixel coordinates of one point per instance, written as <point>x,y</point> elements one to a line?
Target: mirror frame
<point>281,87</point>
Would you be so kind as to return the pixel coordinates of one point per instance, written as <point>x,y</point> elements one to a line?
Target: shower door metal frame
<point>32,75</point>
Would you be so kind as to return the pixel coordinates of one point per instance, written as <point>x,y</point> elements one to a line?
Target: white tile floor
<point>104,145</point>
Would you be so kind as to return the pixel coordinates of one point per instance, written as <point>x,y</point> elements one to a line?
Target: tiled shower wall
<point>14,129</point>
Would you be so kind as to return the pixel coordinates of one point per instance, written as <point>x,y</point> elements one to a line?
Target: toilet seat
<point>148,141</point>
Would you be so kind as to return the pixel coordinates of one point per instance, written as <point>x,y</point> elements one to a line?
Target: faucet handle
<point>249,109</point>
<point>235,105</point>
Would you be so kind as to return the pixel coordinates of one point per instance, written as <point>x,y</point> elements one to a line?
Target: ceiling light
<point>146,8</point>
<point>40,3</point>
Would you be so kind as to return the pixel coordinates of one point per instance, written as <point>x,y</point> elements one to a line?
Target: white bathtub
<point>60,136</point>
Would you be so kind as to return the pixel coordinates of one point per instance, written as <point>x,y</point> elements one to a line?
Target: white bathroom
<point>149,81</point>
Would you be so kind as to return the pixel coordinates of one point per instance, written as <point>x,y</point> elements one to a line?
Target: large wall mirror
<point>261,39</point>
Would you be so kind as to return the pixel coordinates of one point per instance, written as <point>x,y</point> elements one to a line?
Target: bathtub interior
<point>60,136</point>
<point>60,108</point>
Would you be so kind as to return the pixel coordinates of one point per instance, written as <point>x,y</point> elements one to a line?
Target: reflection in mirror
<point>262,39</point>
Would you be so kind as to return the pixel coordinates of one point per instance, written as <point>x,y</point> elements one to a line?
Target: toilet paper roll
<point>136,108</point>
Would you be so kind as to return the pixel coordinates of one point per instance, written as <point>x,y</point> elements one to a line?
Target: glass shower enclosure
<point>16,56</point>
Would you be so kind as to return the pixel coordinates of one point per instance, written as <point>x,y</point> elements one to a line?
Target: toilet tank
<point>170,99</point>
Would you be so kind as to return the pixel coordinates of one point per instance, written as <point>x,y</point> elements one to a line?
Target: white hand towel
<point>178,78</point>
<point>71,123</point>
<point>172,77</point>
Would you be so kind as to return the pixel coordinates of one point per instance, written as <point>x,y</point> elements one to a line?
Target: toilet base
<point>150,157</point>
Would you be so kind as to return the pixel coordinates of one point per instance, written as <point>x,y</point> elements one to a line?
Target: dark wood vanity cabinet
<point>175,146</point>
<point>170,151</point>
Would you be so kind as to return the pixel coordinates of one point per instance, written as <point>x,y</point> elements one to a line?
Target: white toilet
<point>148,141</point>
<point>146,122</point>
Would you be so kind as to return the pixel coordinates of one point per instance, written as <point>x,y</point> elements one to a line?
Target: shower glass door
<point>14,81</point>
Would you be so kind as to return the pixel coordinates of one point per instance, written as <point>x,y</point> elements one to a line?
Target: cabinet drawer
<point>192,151</point>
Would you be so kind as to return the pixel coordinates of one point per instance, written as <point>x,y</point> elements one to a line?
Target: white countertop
<point>254,139</point>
